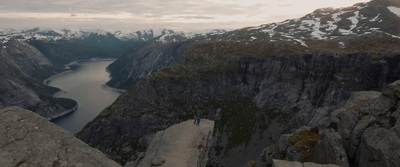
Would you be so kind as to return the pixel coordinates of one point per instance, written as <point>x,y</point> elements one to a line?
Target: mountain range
<point>65,34</point>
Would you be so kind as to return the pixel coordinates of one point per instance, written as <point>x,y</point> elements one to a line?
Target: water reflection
<point>85,85</point>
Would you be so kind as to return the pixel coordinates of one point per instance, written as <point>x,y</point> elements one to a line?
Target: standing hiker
<point>198,121</point>
<point>195,119</point>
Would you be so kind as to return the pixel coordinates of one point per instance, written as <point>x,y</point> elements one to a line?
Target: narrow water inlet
<point>85,85</point>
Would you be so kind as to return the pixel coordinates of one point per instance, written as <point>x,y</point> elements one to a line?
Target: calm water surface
<point>85,85</point>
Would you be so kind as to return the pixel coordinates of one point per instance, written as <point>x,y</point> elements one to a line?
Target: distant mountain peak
<point>160,35</point>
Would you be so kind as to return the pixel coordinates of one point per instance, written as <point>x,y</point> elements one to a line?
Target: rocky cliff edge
<point>183,144</point>
<point>27,139</point>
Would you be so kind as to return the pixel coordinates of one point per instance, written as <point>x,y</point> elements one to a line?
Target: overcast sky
<point>144,14</point>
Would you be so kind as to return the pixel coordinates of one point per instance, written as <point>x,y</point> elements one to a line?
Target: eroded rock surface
<point>27,139</point>
<point>363,133</point>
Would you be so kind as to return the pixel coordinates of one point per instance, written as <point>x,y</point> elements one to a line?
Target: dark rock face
<point>256,99</point>
<point>128,69</point>
<point>21,68</point>
<point>30,140</point>
<point>362,133</point>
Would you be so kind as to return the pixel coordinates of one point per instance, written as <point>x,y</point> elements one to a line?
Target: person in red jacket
<point>195,119</point>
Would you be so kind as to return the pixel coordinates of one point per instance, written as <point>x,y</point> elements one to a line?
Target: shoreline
<point>61,92</point>
<point>106,87</point>
<point>67,68</point>
<point>46,81</point>
<point>65,112</point>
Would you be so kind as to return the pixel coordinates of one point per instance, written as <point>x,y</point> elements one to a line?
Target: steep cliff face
<point>21,68</point>
<point>30,140</point>
<point>154,55</point>
<point>128,69</point>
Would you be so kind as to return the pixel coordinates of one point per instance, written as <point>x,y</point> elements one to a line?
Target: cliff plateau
<point>183,144</point>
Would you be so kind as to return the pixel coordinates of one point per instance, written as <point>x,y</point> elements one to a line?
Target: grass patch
<point>305,143</point>
<point>251,163</point>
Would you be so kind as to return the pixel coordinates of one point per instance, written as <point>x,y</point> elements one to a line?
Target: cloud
<point>195,17</point>
<point>136,13</point>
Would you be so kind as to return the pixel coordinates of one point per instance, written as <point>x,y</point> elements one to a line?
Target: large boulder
<point>28,139</point>
<point>330,150</point>
<point>379,147</point>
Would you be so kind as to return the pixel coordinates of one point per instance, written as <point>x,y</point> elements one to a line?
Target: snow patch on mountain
<point>342,45</point>
<point>394,10</point>
<point>354,21</point>
<point>316,25</point>
<point>301,42</point>
<point>174,36</point>
<point>271,29</point>
<point>376,18</point>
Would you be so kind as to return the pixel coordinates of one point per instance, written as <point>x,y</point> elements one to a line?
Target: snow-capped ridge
<point>330,23</point>
<point>174,36</point>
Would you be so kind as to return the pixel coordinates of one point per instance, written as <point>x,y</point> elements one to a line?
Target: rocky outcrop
<point>30,140</point>
<point>362,133</point>
<point>330,150</point>
<point>183,144</point>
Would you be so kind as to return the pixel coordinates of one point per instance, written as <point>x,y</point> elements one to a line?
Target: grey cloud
<point>285,5</point>
<point>196,17</point>
<point>156,8</point>
<point>153,9</point>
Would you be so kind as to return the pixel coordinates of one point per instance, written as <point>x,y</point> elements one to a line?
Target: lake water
<point>86,85</point>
